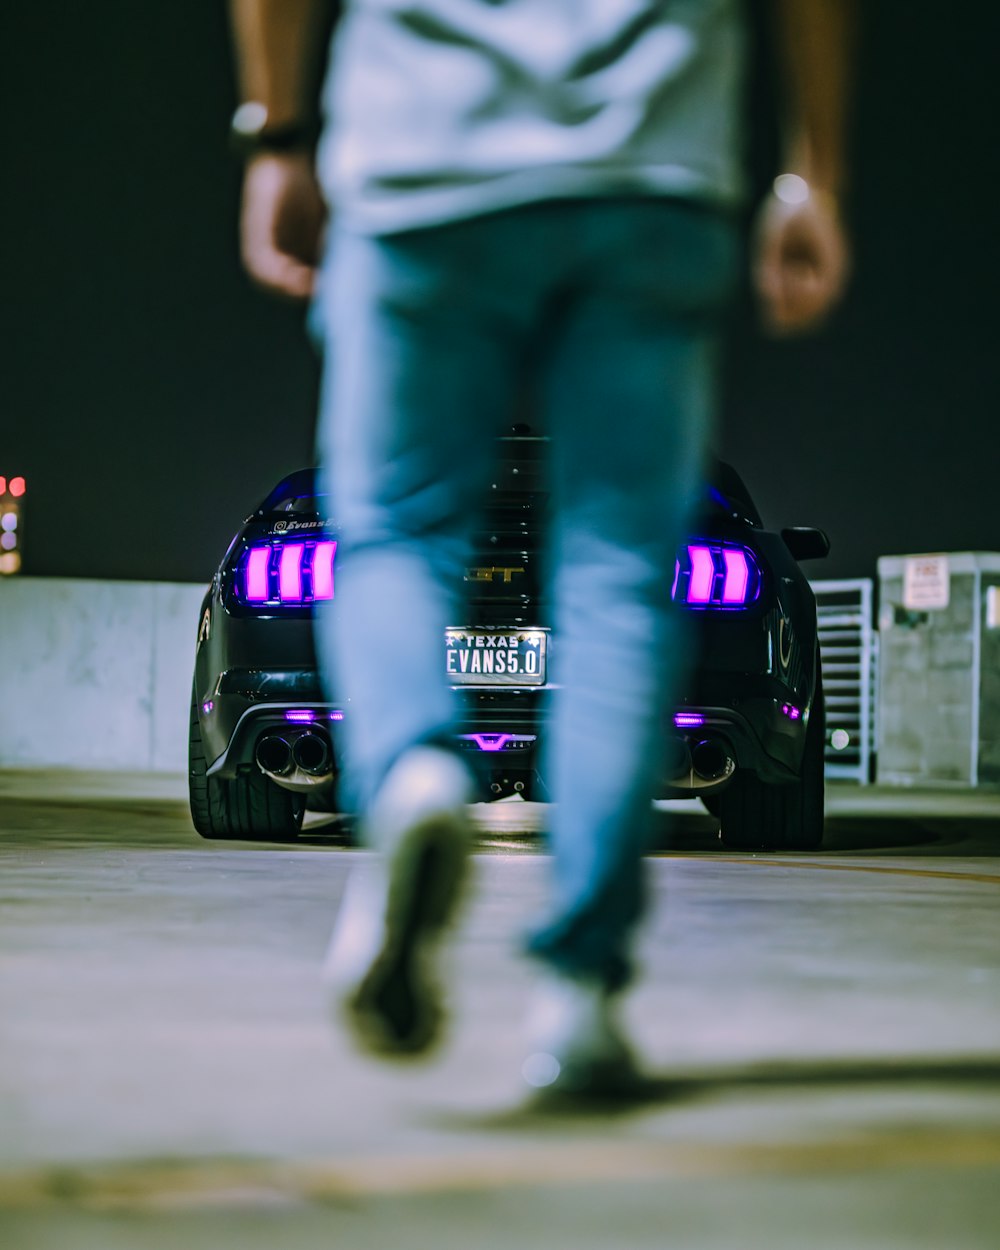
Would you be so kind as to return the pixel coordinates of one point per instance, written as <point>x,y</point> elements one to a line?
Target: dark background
<point>151,397</point>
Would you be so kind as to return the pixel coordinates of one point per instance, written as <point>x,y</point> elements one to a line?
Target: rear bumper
<point>759,737</point>
<point>500,730</point>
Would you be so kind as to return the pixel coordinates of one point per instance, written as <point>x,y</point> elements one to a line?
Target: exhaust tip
<point>311,752</point>
<point>711,759</point>
<point>274,755</point>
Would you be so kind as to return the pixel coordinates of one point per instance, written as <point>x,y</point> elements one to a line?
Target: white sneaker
<point>575,1044</point>
<point>396,906</point>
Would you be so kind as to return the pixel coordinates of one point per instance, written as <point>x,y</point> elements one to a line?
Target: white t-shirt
<point>439,110</point>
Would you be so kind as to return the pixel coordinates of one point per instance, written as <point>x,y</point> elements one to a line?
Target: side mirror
<point>806,543</point>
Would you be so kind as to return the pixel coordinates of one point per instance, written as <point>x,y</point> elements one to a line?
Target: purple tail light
<point>322,569</point>
<point>286,574</point>
<point>702,576</point>
<point>255,574</point>
<point>734,588</point>
<point>715,575</point>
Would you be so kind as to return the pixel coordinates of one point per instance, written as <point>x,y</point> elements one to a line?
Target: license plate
<point>495,657</point>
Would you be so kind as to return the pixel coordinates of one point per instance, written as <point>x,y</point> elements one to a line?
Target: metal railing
<point>848,645</point>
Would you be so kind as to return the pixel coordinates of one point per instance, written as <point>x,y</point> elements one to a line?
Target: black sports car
<point>746,735</point>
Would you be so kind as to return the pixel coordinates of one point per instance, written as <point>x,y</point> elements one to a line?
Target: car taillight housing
<point>716,575</point>
<point>285,574</point>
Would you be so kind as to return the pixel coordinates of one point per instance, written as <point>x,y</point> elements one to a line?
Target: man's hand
<point>282,223</point>
<point>800,262</point>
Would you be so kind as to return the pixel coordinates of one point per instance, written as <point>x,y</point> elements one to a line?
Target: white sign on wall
<point>993,607</point>
<point>926,582</point>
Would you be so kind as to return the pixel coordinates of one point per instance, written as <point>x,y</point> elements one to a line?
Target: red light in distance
<point>16,486</point>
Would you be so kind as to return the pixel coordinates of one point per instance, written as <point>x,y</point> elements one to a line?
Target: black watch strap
<point>250,133</point>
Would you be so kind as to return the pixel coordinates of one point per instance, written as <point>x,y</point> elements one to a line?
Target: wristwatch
<point>250,134</point>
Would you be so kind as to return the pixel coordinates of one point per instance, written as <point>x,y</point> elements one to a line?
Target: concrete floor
<point>824,1030</point>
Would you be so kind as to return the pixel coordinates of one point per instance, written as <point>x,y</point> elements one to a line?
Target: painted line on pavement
<point>983,878</point>
<point>137,1186</point>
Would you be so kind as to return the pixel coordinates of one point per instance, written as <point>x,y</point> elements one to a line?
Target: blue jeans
<point>613,307</point>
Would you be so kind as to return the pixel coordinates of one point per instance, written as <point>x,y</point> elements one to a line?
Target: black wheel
<point>760,817</point>
<point>249,806</point>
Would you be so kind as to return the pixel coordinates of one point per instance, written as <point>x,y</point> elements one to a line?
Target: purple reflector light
<point>499,742</point>
<point>490,742</point>
<point>336,715</point>
<point>300,716</point>
<point>207,707</point>
<point>791,711</point>
<point>688,720</point>
<point>715,575</point>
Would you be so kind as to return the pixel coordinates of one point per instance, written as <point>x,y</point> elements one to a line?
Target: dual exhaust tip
<point>281,755</point>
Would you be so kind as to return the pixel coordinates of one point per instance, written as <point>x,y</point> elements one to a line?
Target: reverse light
<point>715,575</point>
<point>286,574</point>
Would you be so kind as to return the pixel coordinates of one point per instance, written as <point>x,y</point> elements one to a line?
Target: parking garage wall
<point>94,674</point>
<point>97,675</point>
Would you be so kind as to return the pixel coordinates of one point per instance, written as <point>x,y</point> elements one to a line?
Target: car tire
<point>323,800</point>
<point>248,807</point>
<point>756,816</point>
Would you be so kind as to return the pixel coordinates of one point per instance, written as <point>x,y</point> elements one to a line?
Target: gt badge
<point>490,574</point>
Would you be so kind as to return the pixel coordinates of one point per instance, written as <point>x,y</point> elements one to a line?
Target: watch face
<point>249,119</point>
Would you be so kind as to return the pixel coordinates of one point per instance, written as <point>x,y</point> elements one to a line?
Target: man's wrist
<point>252,132</point>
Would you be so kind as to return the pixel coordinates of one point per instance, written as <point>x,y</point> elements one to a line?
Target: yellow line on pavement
<point>983,878</point>
<point>186,1185</point>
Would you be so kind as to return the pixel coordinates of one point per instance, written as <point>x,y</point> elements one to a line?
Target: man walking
<point>540,186</point>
